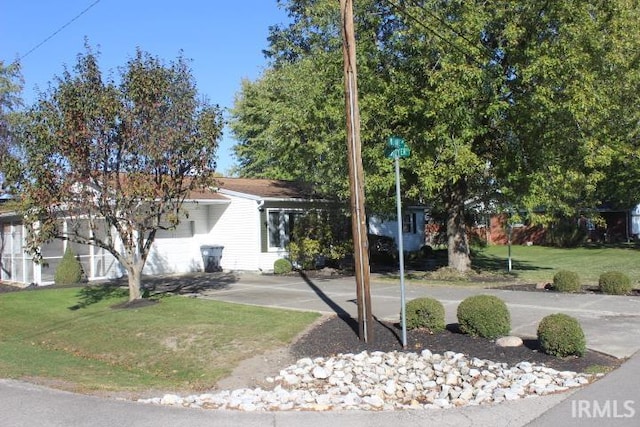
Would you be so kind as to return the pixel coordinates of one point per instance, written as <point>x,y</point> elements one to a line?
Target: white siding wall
<point>178,251</point>
<point>268,258</point>
<point>236,227</point>
<point>635,221</point>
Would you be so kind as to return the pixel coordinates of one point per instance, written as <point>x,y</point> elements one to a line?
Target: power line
<point>466,53</point>
<point>57,31</point>
<point>485,51</point>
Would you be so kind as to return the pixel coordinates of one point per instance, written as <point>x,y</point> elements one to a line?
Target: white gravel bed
<point>388,381</point>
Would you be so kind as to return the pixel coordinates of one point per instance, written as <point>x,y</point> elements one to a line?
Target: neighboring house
<point>251,219</point>
<point>616,226</point>
<point>496,232</point>
<point>620,225</point>
<point>413,228</point>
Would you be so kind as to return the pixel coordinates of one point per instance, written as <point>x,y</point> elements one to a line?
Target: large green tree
<point>116,159</point>
<point>573,94</point>
<point>503,103</point>
<point>301,127</point>
<point>616,131</point>
<point>290,123</point>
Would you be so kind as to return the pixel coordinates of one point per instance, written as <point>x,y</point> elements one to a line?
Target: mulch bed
<point>8,288</point>
<point>339,335</point>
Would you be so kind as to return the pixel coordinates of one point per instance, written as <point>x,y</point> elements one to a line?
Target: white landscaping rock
<point>387,381</point>
<point>320,373</point>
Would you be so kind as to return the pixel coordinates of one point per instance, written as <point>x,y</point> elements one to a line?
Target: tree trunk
<point>134,274</point>
<point>457,240</point>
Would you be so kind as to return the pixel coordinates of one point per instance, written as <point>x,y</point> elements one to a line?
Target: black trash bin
<point>211,255</point>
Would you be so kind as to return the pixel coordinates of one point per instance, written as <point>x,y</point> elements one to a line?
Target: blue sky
<point>223,38</point>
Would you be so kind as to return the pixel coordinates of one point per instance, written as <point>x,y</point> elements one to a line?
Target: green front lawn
<point>179,343</point>
<point>539,263</point>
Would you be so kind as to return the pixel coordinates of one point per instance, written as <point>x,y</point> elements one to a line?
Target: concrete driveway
<point>611,323</point>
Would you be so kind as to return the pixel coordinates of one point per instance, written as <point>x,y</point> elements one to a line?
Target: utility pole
<point>356,175</point>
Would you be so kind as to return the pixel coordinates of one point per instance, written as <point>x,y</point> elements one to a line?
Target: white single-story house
<point>248,221</point>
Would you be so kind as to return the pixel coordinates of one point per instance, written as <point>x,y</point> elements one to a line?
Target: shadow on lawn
<point>494,263</point>
<point>154,287</point>
<point>89,295</point>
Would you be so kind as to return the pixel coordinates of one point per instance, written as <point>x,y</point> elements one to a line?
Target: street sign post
<point>395,149</point>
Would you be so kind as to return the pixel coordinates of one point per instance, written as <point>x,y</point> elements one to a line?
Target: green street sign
<point>395,142</point>
<point>396,148</point>
<point>404,152</point>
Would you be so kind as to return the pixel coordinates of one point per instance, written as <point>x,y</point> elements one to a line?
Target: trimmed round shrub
<point>614,283</point>
<point>282,266</point>
<point>69,270</point>
<point>484,316</point>
<point>566,281</point>
<point>425,313</point>
<point>561,335</point>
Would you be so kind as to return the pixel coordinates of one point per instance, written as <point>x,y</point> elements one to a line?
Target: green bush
<point>69,270</point>
<point>282,266</point>
<point>561,335</point>
<point>425,313</point>
<point>614,283</point>
<point>304,252</point>
<point>485,316</point>
<point>566,281</point>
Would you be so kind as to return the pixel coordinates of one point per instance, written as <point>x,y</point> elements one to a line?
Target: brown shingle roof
<point>262,188</point>
<point>206,195</point>
<point>266,188</point>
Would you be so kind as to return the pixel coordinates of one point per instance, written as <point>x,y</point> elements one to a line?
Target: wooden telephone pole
<point>356,175</point>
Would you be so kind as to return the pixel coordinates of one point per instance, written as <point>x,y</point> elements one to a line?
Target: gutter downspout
<point>260,204</point>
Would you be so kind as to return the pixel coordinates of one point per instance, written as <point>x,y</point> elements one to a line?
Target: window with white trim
<point>280,225</point>
<point>409,223</point>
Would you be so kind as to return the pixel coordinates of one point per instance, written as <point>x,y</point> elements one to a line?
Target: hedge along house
<point>250,219</point>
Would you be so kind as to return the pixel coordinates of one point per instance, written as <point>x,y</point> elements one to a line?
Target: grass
<point>539,264</point>
<point>75,338</point>
<point>598,369</point>
<point>180,343</point>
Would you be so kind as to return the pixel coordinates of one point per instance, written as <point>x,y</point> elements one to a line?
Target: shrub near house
<point>69,271</point>
<point>282,266</point>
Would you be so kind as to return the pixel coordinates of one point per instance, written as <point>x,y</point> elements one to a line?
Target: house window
<point>280,225</point>
<point>409,223</point>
